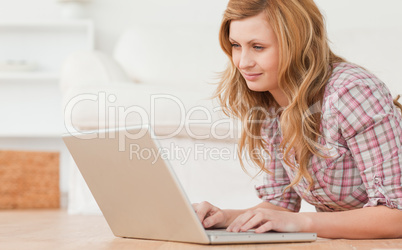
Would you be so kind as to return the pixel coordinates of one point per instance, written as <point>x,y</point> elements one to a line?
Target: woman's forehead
<point>253,28</point>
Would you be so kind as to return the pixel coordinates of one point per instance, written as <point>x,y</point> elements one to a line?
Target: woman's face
<point>255,52</point>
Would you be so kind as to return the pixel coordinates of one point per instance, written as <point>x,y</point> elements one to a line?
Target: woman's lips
<point>251,76</point>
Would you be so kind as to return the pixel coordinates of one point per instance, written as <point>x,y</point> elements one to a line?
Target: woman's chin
<point>255,87</point>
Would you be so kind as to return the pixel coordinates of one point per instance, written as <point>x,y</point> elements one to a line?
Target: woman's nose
<point>246,60</point>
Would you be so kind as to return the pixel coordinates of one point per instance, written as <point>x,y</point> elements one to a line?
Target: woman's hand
<point>209,215</point>
<point>263,220</point>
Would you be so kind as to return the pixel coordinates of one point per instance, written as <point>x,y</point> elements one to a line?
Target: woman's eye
<point>234,45</point>
<point>258,47</point>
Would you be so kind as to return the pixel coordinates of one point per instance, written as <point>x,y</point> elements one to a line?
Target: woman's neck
<point>280,97</point>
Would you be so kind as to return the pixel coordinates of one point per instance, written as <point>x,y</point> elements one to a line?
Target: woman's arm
<point>363,223</point>
<point>369,222</point>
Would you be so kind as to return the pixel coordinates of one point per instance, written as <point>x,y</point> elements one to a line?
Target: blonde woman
<point>331,130</point>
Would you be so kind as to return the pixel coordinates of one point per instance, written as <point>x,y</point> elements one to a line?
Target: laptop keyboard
<point>224,232</point>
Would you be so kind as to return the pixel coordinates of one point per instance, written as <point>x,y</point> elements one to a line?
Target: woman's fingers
<point>201,209</point>
<point>208,214</point>
<point>214,217</point>
<point>240,221</point>
<point>253,222</point>
<point>252,219</point>
<point>267,226</point>
<point>264,220</point>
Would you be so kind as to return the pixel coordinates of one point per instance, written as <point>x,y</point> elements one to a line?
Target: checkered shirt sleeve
<point>274,185</point>
<point>370,124</point>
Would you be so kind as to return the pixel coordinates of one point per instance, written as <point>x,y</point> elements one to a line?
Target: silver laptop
<point>140,196</point>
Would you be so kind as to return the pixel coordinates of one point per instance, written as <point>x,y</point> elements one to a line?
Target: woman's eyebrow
<point>249,42</point>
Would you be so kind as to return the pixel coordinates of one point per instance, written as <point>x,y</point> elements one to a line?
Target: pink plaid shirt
<point>361,127</point>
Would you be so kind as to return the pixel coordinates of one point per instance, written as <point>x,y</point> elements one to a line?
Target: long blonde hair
<point>305,65</point>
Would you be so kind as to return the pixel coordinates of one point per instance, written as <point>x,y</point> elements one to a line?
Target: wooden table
<point>55,229</point>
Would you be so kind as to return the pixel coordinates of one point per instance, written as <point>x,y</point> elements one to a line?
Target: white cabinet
<point>30,101</point>
<point>31,112</point>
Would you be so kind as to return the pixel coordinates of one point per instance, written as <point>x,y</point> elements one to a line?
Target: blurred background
<point>37,36</point>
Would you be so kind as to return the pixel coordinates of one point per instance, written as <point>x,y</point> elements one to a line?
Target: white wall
<point>361,13</point>
<point>113,16</point>
<point>369,33</point>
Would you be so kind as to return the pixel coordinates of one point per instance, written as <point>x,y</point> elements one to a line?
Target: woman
<point>331,131</point>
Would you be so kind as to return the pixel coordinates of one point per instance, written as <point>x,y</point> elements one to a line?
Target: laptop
<point>139,194</point>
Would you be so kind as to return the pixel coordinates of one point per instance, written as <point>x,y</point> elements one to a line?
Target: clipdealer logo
<point>110,115</point>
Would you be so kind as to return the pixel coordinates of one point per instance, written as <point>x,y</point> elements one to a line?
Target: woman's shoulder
<point>355,99</point>
<point>347,77</point>
<point>352,89</point>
